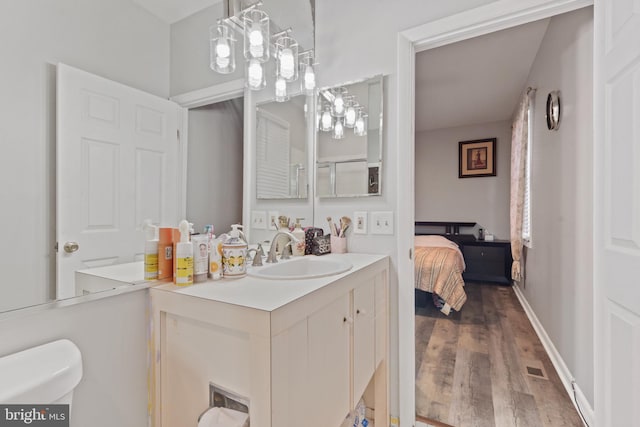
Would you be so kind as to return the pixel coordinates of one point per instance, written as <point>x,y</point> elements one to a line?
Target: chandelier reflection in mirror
<point>262,40</point>
<point>339,111</point>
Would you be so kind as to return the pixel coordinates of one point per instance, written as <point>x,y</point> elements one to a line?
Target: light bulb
<point>222,49</point>
<point>338,130</point>
<point>350,116</point>
<point>326,121</point>
<point>287,65</point>
<point>309,78</point>
<point>222,62</point>
<point>359,126</point>
<point>338,104</point>
<point>281,90</point>
<point>255,73</point>
<point>255,35</point>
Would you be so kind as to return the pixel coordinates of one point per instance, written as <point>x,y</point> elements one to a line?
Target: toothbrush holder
<point>338,244</point>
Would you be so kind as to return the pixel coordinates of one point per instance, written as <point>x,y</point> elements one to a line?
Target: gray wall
<point>559,282</point>
<point>111,334</point>
<point>214,173</point>
<point>442,196</point>
<point>120,41</point>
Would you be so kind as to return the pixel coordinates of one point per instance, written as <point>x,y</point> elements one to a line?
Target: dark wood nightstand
<point>487,261</point>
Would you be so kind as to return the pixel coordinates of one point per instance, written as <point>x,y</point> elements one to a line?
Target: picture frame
<point>477,158</point>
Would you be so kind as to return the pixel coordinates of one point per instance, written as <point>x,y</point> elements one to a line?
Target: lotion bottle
<point>234,254</point>
<point>184,257</point>
<point>298,248</point>
<point>165,253</point>
<point>150,251</point>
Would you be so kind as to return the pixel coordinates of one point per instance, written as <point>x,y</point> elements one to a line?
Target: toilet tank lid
<point>41,374</point>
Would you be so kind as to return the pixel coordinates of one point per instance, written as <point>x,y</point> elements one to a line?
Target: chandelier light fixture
<point>341,111</point>
<point>263,40</point>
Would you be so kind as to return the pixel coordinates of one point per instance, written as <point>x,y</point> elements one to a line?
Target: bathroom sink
<point>308,267</point>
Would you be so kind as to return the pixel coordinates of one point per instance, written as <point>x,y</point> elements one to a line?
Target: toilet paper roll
<point>223,417</point>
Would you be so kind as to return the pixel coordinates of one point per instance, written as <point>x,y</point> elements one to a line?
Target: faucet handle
<point>259,250</point>
<point>286,251</point>
<point>257,258</point>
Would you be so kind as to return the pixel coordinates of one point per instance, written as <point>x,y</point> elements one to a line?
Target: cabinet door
<point>329,368</point>
<point>363,338</point>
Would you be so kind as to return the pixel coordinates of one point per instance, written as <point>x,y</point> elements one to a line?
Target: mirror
<point>349,140</point>
<point>281,149</point>
<point>125,30</point>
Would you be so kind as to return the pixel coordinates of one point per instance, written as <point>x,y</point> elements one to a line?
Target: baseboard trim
<point>561,367</point>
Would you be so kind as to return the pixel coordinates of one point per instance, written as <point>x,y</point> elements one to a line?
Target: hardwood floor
<point>477,367</point>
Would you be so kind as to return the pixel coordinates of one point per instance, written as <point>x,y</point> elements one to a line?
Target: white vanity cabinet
<point>305,359</point>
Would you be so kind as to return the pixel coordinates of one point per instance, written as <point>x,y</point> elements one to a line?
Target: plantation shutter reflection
<point>272,155</point>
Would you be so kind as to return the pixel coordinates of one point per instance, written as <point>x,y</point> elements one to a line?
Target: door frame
<point>496,16</point>
<point>199,98</point>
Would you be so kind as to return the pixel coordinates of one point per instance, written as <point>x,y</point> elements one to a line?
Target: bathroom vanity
<point>302,352</point>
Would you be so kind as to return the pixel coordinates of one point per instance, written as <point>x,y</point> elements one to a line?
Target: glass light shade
<point>308,81</point>
<point>362,122</point>
<point>338,130</point>
<point>255,75</point>
<point>350,114</point>
<point>287,58</point>
<point>281,90</point>
<point>256,35</point>
<point>337,107</point>
<point>222,52</point>
<point>326,120</point>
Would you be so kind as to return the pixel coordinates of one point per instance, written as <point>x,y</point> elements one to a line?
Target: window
<point>526,214</point>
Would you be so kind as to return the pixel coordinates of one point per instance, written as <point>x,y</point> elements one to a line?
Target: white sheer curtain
<point>519,147</point>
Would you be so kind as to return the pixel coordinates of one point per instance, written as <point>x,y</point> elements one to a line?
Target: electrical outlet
<point>382,222</point>
<point>272,219</point>
<point>360,222</point>
<point>259,220</point>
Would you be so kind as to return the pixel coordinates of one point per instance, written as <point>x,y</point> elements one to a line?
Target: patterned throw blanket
<point>439,271</point>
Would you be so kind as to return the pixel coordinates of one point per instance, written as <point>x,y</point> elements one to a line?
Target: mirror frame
<point>332,165</point>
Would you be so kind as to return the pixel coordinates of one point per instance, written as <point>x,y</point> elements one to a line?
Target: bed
<point>439,265</point>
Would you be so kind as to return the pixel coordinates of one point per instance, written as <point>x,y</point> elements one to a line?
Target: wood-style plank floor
<point>471,367</point>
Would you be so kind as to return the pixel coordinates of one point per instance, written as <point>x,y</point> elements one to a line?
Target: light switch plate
<point>259,220</point>
<point>382,222</point>
<point>272,219</point>
<point>360,222</point>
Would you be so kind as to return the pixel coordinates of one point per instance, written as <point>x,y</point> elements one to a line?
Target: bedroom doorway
<point>466,93</point>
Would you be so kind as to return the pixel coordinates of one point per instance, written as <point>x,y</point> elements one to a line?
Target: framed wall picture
<point>477,158</point>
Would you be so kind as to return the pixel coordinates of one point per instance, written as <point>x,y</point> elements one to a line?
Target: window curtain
<point>519,147</point>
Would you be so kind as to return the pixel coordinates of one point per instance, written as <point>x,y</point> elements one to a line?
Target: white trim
<point>558,362</point>
<point>211,95</point>
<point>495,16</point>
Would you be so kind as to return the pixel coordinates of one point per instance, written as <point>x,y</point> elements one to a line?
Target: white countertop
<point>268,294</point>
<point>129,273</point>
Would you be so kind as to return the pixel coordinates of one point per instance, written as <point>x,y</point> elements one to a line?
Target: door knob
<point>70,247</point>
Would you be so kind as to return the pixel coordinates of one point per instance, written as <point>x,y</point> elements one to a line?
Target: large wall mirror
<point>349,139</point>
<point>281,149</point>
<point>30,116</point>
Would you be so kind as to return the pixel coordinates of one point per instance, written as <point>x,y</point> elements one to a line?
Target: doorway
<point>460,27</point>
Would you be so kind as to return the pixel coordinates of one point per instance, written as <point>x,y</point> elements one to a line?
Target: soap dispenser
<point>298,233</point>
<point>150,250</point>
<point>234,254</point>
<point>184,257</point>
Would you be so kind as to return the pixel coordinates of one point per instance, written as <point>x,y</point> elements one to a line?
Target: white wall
<point>559,277</point>
<point>214,174</point>
<point>114,39</point>
<point>111,334</point>
<point>441,196</point>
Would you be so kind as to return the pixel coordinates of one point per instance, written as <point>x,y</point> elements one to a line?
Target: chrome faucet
<point>271,258</point>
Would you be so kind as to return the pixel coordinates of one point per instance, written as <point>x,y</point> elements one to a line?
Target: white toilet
<point>41,375</point>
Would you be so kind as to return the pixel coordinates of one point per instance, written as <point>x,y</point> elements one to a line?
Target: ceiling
<point>171,11</point>
<point>477,80</point>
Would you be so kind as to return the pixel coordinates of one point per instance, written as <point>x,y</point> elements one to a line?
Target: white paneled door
<point>117,164</point>
<point>617,212</point>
